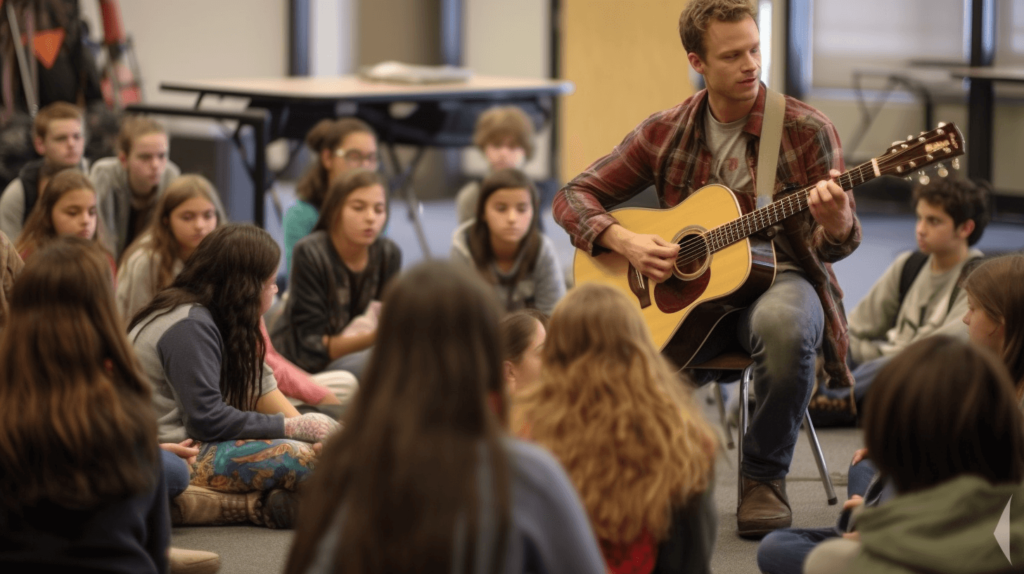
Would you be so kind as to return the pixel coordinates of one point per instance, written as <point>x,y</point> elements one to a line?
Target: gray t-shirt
<point>728,144</point>
<point>549,530</point>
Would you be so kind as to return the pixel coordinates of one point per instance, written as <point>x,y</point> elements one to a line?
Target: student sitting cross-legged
<point>918,295</point>
<point>200,346</point>
<point>423,478</point>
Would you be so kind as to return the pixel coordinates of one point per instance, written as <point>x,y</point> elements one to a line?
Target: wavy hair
<point>76,423</point>
<point>413,440</point>
<point>158,238</point>
<point>942,408</point>
<point>480,233</point>
<point>698,15</point>
<point>622,423</point>
<point>997,285</point>
<point>39,229</point>
<point>326,135</point>
<point>226,275</point>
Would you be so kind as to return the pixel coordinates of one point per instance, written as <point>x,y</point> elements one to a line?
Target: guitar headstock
<point>904,158</point>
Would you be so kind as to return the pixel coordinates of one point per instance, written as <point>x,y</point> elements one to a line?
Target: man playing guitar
<point>713,137</point>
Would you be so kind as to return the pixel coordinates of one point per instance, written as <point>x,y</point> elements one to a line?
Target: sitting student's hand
<point>859,455</point>
<point>310,427</point>
<point>183,449</point>
<point>856,501</point>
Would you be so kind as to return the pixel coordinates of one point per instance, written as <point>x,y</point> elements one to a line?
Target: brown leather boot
<point>202,506</point>
<point>763,507</point>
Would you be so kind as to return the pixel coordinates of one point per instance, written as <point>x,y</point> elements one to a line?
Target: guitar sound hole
<point>693,255</point>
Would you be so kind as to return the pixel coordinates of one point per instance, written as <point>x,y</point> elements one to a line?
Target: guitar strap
<point>771,138</point>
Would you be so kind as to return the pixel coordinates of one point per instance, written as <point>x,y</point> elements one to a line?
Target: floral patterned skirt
<point>252,465</point>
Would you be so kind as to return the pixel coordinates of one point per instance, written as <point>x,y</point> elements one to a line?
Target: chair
<point>739,361</point>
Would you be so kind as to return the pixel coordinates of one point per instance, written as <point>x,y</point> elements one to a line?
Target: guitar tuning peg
<point>896,143</point>
<point>956,163</point>
<point>910,179</point>
<point>923,178</point>
<point>922,138</point>
<point>910,138</point>
<point>942,124</point>
<point>941,170</point>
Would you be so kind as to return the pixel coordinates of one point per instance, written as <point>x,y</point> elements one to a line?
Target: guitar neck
<point>767,216</point>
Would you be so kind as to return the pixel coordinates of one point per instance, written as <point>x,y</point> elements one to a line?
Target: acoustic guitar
<point>722,266</point>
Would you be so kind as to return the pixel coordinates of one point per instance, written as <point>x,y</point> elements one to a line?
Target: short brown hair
<point>54,111</point>
<point>502,123</point>
<point>698,15</point>
<point>961,199</point>
<point>997,286</point>
<point>134,127</point>
<point>517,330</point>
<point>940,409</point>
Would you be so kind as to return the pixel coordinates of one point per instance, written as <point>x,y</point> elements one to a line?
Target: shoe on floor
<point>763,507</point>
<point>184,561</point>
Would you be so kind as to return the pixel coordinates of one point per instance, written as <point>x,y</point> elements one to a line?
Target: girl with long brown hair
<point>995,312</point>
<point>339,146</point>
<point>200,345</point>
<point>422,478</point>
<point>187,212</point>
<point>504,244</point>
<point>78,440</point>
<point>67,207</point>
<point>624,426</point>
<point>338,272</point>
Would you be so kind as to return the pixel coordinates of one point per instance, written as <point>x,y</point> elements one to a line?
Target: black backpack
<point>912,267</point>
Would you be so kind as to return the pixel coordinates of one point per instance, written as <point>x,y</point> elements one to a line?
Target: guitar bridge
<point>640,286</point>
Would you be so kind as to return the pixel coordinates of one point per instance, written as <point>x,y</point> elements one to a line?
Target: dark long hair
<point>76,423</point>
<point>942,408</point>
<point>339,191</point>
<point>226,275</point>
<point>326,135</point>
<point>39,227</point>
<point>480,234</point>
<point>997,285</point>
<point>412,441</point>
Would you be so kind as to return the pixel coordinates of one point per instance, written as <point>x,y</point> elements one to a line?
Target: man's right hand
<point>650,254</point>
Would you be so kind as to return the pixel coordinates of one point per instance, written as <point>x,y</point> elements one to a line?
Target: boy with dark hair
<point>918,295</point>
<point>58,138</point>
<point>504,134</point>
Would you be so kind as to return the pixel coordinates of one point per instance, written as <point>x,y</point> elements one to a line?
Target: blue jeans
<point>175,473</point>
<point>784,551</point>
<point>782,331</point>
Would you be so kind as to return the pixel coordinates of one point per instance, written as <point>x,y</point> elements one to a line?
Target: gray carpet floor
<point>246,549</point>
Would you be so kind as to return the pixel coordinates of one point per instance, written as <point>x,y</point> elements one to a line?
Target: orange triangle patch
<point>46,45</point>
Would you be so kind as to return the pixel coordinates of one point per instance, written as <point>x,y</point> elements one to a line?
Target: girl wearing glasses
<point>340,146</point>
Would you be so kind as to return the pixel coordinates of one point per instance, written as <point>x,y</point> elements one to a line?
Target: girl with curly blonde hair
<point>625,427</point>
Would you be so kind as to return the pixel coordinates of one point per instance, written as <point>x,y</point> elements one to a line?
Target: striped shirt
<point>669,151</point>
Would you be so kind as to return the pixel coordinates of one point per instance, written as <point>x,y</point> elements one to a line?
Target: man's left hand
<point>830,207</point>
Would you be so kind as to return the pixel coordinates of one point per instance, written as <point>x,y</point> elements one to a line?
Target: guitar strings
<point>696,247</point>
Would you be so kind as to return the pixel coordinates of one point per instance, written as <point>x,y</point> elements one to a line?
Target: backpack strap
<point>911,267</point>
<point>31,196</point>
<point>969,266</point>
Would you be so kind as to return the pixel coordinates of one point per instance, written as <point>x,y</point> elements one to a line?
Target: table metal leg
<point>401,185</point>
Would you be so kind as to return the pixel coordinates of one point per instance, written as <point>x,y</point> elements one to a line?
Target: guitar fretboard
<point>767,216</point>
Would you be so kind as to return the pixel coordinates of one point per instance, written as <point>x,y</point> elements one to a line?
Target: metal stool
<point>739,361</point>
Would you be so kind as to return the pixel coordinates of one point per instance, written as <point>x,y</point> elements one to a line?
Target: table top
<point>354,88</point>
<point>994,73</point>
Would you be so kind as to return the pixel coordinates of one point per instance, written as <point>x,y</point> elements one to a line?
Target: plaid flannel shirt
<point>669,150</point>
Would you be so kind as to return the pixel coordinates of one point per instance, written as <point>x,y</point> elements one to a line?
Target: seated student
<point>185,214</point>
<point>83,487</point>
<point>58,138</point>
<point>918,296</point>
<point>522,342</point>
<point>506,247</point>
<point>627,431</point>
<point>420,443</point>
<point>337,272</point>
<point>130,184</point>
<point>67,208</point>
<point>340,146</point>
<point>943,424</point>
<point>504,134</point>
<point>995,312</point>
<point>10,267</point>
<point>199,345</point>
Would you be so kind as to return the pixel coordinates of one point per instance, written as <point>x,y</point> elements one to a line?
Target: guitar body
<point>682,312</point>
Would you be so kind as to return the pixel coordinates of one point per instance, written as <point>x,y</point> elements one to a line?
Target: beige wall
<point>627,62</point>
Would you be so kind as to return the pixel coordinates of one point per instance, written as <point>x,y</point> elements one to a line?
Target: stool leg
<point>748,376</point>
<point>819,458</point>
<point>721,415</point>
